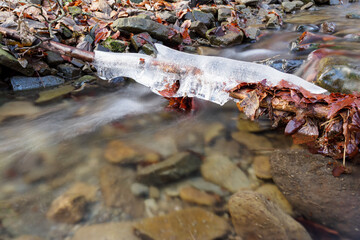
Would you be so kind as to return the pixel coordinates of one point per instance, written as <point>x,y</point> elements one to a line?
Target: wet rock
<point>224,14</point>
<point>168,16</point>
<point>247,3</point>
<point>115,45</point>
<point>213,131</point>
<point>67,208</point>
<point>307,28</point>
<point>83,189</point>
<point>257,126</point>
<point>20,83</point>
<point>175,167</point>
<point>8,60</point>
<point>255,217</point>
<point>353,15</point>
<point>68,71</point>
<point>118,152</point>
<point>139,25</point>
<point>199,28</point>
<point>288,7</point>
<point>52,94</point>
<point>335,2</point>
<point>252,141</point>
<point>229,38</point>
<point>221,171</point>
<point>252,32</point>
<point>108,231</point>
<point>139,190</point>
<point>193,195</point>
<point>272,193</point>
<point>115,185</point>
<point>43,69</point>
<point>285,65</point>
<point>28,237</point>
<point>139,40</point>
<point>154,192</point>
<point>190,223</point>
<point>307,6</point>
<point>273,22</point>
<point>307,182</point>
<point>339,74</point>
<point>262,167</point>
<point>18,108</point>
<point>327,27</point>
<point>149,49</point>
<point>196,15</point>
<point>203,185</point>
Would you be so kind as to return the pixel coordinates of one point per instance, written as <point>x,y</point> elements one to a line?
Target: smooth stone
<point>206,186</point>
<point>139,25</point>
<point>220,170</point>
<point>255,217</point>
<point>213,131</point>
<point>139,190</point>
<point>115,185</point>
<point>108,231</point>
<point>194,195</point>
<point>273,193</point>
<point>307,182</point>
<point>20,83</point>
<point>262,167</point>
<point>154,192</point>
<point>224,14</point>
<point>230,38</point>
<point>307,6</point>
<point>67,208</point>
<point>17,109</point>
<point>196,15</point>
<point>86,190</point>
<point>307,28</point>
<point>8,60</point>
<point>119,152</point>
<point>175,167</point>
<point>68,71</point>
<point>48,95</point>
<point>190,223</point>
<point>252,141</point>
<point>288,7</point>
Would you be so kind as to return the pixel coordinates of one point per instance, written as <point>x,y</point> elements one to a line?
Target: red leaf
<point>101,34</point>
<point>347,101</point>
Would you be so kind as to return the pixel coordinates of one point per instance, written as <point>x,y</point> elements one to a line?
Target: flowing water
<point>46,149</point>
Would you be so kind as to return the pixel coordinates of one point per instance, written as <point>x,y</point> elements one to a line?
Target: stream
<point>95,155</point>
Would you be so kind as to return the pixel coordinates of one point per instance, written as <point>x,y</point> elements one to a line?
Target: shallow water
<point>47,151</point>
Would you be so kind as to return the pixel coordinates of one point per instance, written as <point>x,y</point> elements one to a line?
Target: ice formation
<point>176,74</point>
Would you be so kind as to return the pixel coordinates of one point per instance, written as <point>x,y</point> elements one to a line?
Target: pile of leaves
<point>328,124</point>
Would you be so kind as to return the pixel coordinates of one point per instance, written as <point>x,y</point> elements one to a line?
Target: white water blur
<point>69,119</point>
<point>205,77</point>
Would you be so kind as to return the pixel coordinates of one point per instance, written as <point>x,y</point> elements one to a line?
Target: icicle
<point>176,74</point>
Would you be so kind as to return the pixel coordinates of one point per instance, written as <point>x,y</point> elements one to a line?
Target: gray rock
<point>273,22</point>
<point>307,6</point>
<point>224,14</point>
<point>230,38</point>
<point>255,217</point>
<point>68,71</point>
<point>8,60</point>
<point>168,16</point>
<point>139,189</point>
<point>156,30</point>
<point>288,6</point>
<point>199,28</point>
<point>196,15</point>
<point>307,28</point>
<point>307,182</point>
<point>175,167</point>
<point>28,83</point>
<point>252,32</point>
<point>247,2</point>
<point>35,1</point>
<point>138,40</point>
<point>221,171</point>
<point>54,58</point>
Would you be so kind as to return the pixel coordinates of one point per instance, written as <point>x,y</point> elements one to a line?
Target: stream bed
<point>120,165</point>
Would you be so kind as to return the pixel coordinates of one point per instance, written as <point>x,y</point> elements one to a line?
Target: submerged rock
<point>139,25</point>
<point>108,231</point>
<point>194,195</point>
<point>255,217</point>
<point>221,171</point>
<point>307,182</point>
<point>190,223</point>
<point>52,94</point>
<point>262,167</point>
<point>20,83</point>
<point>175,167</point>
<point>339,74</point>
